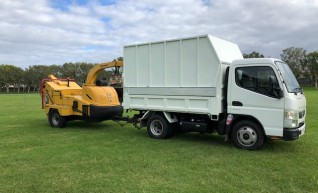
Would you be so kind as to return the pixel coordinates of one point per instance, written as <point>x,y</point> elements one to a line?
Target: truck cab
<point>264,92</point>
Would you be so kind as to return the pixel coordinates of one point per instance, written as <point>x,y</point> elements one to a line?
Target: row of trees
<point>303,65</point>
<point>15,79</point>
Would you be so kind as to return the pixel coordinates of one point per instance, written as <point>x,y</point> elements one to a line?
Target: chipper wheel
<point>56,120</point>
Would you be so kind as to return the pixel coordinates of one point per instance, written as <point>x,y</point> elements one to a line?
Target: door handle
<point>237,103</point>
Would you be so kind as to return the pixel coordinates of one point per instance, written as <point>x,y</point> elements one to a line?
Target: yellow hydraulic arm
<point>91,77</point>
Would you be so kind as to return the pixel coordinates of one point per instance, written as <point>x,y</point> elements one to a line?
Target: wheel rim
<point>156,127</point>
<point>55,119</point>
<point>246,136</point>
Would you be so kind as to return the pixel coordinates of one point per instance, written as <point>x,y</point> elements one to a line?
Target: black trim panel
<point>105,112</point>
<point>291,134</point>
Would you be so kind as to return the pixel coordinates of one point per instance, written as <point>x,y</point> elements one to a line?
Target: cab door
<point>251,94</point>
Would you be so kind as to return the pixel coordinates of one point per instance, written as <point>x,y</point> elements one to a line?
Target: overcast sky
<point>49,32</point>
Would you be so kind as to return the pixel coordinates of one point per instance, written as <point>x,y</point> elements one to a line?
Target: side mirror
<point>279,93</point>
<point>274,88</point>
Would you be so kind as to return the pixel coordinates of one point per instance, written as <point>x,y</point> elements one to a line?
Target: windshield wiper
<point>297,90</point>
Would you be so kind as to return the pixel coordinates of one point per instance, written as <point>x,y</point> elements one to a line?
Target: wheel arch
<point>53,109</point>
<point>238,118</point>
<point>168,116</point>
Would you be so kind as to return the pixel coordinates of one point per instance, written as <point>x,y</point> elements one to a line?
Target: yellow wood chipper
<point>64,100</point>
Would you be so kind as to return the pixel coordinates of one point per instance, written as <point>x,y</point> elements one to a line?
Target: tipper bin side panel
<point>185,104</point>
<point>130,67</point>
<point>157,64</point>
<point>188,62</point>
<point>143,66</point>
<point>208,64</point>
<point>173,64</point>
<point>183,75</point>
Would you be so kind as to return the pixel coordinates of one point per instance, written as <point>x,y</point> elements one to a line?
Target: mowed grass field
<point>105,157</point>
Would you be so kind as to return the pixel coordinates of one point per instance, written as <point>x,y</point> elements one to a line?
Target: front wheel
<point>159,128</point>
<point>247,135</point>
<point>56,120</point>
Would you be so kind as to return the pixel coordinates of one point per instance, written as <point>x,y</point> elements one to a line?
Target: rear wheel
<point>247,135</point>
<point>159,128</point>
<point>56,120</point>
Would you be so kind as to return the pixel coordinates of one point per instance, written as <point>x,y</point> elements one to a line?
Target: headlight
<point>291,119</point>
<point>292,115</point>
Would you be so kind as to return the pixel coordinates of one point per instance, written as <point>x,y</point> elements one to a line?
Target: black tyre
<point>56,120</point>
<point>247,135</point>
<point>159,128</point>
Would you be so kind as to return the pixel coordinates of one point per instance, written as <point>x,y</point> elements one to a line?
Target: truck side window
<point>255,79</point>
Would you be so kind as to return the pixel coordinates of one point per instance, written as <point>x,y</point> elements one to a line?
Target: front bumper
<point>294,133</point>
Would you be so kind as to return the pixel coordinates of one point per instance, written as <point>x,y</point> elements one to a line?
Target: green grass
<point>105,157</point>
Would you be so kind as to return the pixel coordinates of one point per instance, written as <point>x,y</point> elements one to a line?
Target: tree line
<point>303,65</point>
<point>16,79</point>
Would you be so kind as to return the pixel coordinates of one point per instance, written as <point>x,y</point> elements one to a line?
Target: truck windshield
<point>289,78</point>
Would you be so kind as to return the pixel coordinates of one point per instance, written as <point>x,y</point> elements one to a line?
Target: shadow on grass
<point>42,123</point>
<point>270,146</point>
<point>78,124</point>
<point>280,146</point>
<point>208,139</point>
<point>212,140</point>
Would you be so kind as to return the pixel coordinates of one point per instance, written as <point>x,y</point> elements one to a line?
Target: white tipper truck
<point>203,84</point>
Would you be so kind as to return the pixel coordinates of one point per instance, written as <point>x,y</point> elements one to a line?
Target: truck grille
<point>302,114</point>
